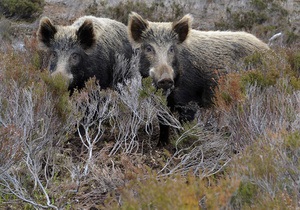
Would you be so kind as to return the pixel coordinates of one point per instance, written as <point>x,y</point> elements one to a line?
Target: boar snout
<point>165,82</point>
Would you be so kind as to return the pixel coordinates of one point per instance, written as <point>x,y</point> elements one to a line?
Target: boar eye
<point>149,49</point>
<point>74,58</point>
<point>171,49</point>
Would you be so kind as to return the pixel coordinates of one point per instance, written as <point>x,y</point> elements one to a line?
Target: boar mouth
<point>165,91</point>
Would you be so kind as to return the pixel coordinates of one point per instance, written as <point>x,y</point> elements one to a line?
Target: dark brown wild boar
<point>185,61</point>
<point>85,49</point>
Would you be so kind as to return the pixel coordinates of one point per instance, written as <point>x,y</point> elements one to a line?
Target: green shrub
<point>259,4</point>
<point>246,20</point>
<point>59,88</point>
<point>222,25</point>
<point>278,10</point>
<point>264,70</point>
<point>5,29</point>
<point>148,88</point>
<point>259,78</point>
<point>292,146</point>
<point>22,8</point>
<point>292,38</point>
<point>267,31</point>
<point>295,83</point>
<point>294,60</point>
<point>246,193</point>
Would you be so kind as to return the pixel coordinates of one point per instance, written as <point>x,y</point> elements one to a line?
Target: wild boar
<point>85,49</point>
<point>186,61</point>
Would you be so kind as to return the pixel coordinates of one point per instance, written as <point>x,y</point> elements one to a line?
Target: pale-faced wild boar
<point>85,49</point>
<point>185,60</point>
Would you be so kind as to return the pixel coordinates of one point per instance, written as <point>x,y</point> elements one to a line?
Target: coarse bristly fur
<point>85,49</point>
<point>185,60</point>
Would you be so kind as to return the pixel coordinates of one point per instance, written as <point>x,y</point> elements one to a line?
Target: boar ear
<point>182,27</point>
<point>85,34</point>
<point>136,26</point>
<point>46,32</point>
